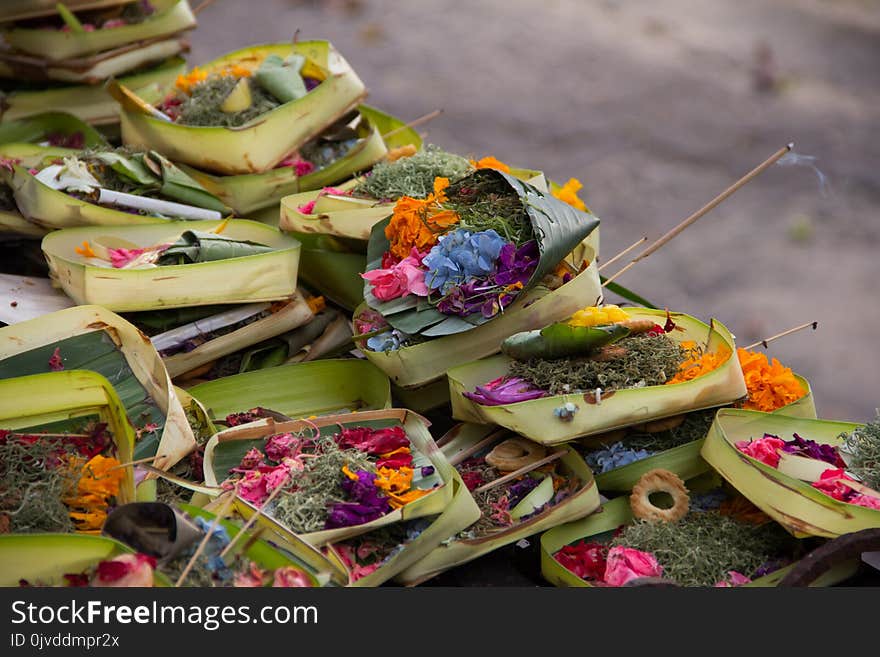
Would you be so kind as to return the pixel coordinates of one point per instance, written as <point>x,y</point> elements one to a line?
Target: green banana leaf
<point>169,17</point>
<point>316,388</point>
<point>795,504</point>
<point>460,549</point>
<point>424,399</point>
<point>537,420</point>
<point>599,528</point>
<point>281,77</point>
<point>39,127</point>
<point>46,558</point>
<point>91,103</point>
<point>198,246</point>
<point>557,227</point>
<point>225,450</point>
<point>93,338</point>
<point>333,273</point>
<point>560,340</point>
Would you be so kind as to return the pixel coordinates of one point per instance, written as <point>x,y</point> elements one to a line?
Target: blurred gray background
<point>657,107</point>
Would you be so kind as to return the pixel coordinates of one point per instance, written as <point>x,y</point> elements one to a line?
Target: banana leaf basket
<point>269,276</point>
<point>169,17</point>
<point>600,526</point>
<point>93,338</point>
<point>595,414</point>
<point>793,503</point>
<point>261,144</point>
<point>459,550</point>
<point>225,450</point>
<point>91,103</point>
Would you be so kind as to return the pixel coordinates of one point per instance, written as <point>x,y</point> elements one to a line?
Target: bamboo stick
<point>148,459</point>
<point>623,253</point>
<point>430,116</point>
<point>715,202</point>
<point>782,335</point>
<point>202,6</point>
<point>251,520</point>
<point>555,456</point>
<point>476,447</point>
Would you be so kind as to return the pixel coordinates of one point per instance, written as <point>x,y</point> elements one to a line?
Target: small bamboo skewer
<point>465,454</point>
<point>430,116</point>
<point>622,253</point>
<point>204,5</point>
<point>251,520</point>
<point>51,435</point>
<point>148,459</point>
<point>764,342</point>
<point>766,164</point>
<point>220,514</point>
<point>555,456</point>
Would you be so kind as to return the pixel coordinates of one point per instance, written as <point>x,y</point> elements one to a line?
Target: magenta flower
<point>625,564</point>
<point>813,450</point>
<point>505,390</point>
<point>763,449</point>
<point>281,446</point>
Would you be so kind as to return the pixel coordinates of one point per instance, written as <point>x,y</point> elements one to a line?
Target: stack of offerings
<point>60,55</point>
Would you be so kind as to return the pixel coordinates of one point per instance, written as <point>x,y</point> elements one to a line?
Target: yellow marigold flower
<point>99,482</point>
<point>316,304</point>
<point>490,162</point>
<point>568,194</point>
<point>598,316</point>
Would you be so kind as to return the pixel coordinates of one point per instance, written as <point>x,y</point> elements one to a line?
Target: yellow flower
<point>187,81</point>
<point>568,194</point>
<point>490,162</point>
<point>419,222</point>
<point>400,152</point>
<point>99,482</point>
<point>598,316</point>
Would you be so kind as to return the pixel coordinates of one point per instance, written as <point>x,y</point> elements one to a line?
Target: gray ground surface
<point>654,107</point>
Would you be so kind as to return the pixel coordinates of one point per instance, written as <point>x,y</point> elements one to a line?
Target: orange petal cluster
<point>568,194</point>
<point>99,482</point>
<point>397,486</point>
<point>699,363</point>
<point>419,222</point>
<point>490,162</point>
<point>770,384</point>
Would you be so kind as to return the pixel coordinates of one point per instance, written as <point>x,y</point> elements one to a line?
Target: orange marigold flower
<point>568,194</point>
<point>490,162</point>
<point>187,81</point>
<point>99,482</point>
<point>397,486</point>
<point>85,250</point>
<point>770,384</point>
<point>419,222</point>
<point>237,71</point>
<point>400,152</point>
<point>699,363</point>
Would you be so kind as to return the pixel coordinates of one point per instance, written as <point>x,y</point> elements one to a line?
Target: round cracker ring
<point>515,453</point>
<point>659,481</point>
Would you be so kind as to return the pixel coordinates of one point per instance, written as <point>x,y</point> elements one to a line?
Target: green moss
<point>202,107</point>
<point>863,444</point>
<point>412,176</point>
<point>646,361</point>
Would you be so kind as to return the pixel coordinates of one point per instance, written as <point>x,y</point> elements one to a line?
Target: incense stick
<point>192,561</point>
<point>148,459</point>
<point>251,520</point>
<point>623,253</point>
<point>430,116</point>
<point>476,447</point>
<point>782,335</point>
<point>523,470</point>
<point>766,164</point>
<point>204,5</point>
